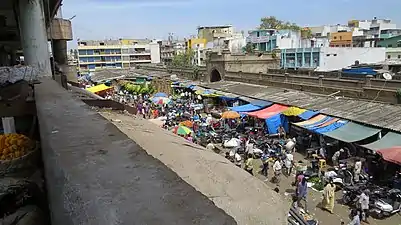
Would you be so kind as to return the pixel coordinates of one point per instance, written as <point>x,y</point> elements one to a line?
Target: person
<point>288,164</point>
<point>265,161</point>
<point>237,160</point>
<point>302,193</point>
<point>249,147</point>
<point>281,131</point>
<point>249,164</point>
<point>357,169</point>
<point>277,171</point>
<point>336,157</point>
<point>328,196</point>
<point>355,218</point>
<point>363,203</point>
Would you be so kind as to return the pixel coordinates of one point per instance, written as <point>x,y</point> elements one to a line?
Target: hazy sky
<point>100,19</point>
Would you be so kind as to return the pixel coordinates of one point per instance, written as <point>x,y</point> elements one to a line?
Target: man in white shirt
<point>357,169</point>
<point>336,157</point>
<point>277,171</point>
<point>288,163</point>
<point>364,205</point>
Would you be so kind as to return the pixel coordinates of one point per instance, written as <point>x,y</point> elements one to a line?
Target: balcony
<point>262,39</point>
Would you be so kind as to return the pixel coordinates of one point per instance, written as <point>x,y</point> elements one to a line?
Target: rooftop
<point>366,112</point>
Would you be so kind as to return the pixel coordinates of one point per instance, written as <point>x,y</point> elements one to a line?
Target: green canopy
<point>387,141</point>
<point>352,132</point>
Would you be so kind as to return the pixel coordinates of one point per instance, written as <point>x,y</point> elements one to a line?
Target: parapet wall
<point>95,174</point>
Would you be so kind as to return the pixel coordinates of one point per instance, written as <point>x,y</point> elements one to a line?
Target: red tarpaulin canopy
<point>392,154</point>
<point>269,111</point>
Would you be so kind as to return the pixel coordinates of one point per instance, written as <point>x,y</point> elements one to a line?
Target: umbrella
<point>160,94</point>
<point>187,123</point>
<point>182,130</point>
<point>161,100</point>
<point>230,115</point>
<point>391,154</point>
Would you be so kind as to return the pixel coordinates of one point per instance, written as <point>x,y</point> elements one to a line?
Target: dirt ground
<point>244,197</point>
<point>250,201</point>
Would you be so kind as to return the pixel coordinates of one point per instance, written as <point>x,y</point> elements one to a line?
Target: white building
<point>116,54</point>
<point>329,58</point>
<point>270,39</point>
<point>234,42</point>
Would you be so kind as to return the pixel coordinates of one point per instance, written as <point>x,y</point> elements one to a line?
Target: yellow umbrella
<point>230,115</point>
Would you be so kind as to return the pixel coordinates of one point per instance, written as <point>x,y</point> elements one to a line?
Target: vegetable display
<point>139,89</point>
<point>14,146</point>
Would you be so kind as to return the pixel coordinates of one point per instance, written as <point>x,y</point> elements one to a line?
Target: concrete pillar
<point>368,82</point>
<point>59,48</point>
<point>321,80</point>
<point>34,36</point>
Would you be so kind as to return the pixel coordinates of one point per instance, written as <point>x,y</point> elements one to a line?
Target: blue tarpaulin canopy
<point>261,103</point>
<point>331,127</point>
<point>308,114</point>
<point>245,108</point>
<point>274,122</point>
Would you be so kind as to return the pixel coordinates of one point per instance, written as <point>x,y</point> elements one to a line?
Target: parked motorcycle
<point>385,207</point>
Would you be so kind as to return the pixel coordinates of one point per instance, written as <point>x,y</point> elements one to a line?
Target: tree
<point>272,22</point>
<point>184,59</point>
<point>249,48</point>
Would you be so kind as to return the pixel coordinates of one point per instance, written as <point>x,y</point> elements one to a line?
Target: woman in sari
<point>329,197</point>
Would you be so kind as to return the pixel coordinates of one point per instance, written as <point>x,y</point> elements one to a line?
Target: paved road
<point>244,197</point>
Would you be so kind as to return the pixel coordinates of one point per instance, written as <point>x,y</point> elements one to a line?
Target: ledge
<point>95,174</point>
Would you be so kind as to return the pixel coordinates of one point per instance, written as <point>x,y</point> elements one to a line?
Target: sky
<point>155,19</point>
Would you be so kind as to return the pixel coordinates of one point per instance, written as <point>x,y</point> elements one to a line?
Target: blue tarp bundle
<point>225,98</point>
<point>191,86</point>
<point>331,127</point>
<point>274,122</point>
<point>261,103</point>
<point>308,114</point>
<point>245,108</point>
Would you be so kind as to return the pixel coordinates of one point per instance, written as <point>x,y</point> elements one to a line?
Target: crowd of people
<point>206,123</point>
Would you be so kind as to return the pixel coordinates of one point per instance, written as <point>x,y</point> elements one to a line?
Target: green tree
<point>249,48</point>
<point>184,59</point>
<point>272,22</point>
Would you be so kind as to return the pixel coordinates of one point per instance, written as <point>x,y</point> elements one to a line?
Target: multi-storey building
<point>169,49</point>
<point>117,54</point>
<point>371,32</point>
<point>341,39</point>
<point>211,33</point>
<point>329,58</point>
<point>266,40</point>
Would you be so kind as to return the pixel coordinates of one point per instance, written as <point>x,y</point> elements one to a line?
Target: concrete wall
<point>154,52</point>
<point>393,54</point>
<point>338,58</point>
<point>97,175</point>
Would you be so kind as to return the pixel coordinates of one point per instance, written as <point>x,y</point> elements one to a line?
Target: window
<point>335,37</point>
<point>388,56</point>
<point>389,46</point>
<point>101,43</point>
<point>399,44</point>
<point>335,54</point>
<point>341,37</point>
<point>348,45</point>
<point>399,56</point>
<point>337,46</point>
<point>327,54</point>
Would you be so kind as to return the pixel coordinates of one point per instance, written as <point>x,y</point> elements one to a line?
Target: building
<point>266,40</point>
<point>169,49</point>
<point>393,54</point>
<point>210,33</point>
<point>371,32</point>
<point>116,54</point>
<point>392,42</point>
<point>329,58</point>
<point>234,43</point>
<point>341,39</point>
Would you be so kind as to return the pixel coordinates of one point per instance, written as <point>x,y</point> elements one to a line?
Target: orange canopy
<point>315,119</point>
<point>269,111</point>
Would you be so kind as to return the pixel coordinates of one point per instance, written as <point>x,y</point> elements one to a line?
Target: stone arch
<point>215,76</point>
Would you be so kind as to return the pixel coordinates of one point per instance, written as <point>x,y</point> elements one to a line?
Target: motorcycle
<point>386,207</point>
